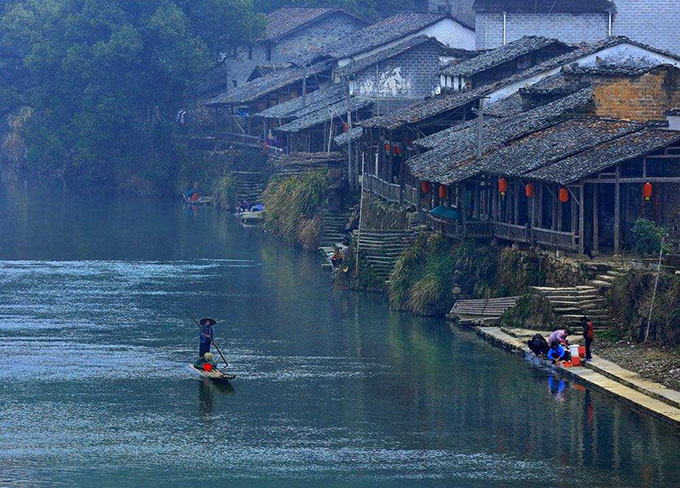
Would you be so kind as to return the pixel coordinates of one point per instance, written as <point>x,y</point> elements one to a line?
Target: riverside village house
<point>524,121</point>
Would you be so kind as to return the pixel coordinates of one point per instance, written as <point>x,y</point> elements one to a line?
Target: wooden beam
<point>515,216</point>
<point>651,179</point>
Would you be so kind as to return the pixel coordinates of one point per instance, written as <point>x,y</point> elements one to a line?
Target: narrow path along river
<point>333,389</point>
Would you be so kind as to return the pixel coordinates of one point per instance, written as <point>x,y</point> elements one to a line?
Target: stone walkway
<point>653,398</point>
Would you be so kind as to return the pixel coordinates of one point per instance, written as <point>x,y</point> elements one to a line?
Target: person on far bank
<point>559,336</point>
<point>588,335</point>
<point>205,336</point>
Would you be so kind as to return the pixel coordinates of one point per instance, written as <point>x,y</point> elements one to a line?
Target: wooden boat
<point>250,219</point>
<point>215,375</point>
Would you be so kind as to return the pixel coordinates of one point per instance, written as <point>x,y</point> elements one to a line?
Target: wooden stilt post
<point>617,211</point>
<point>582,219</point>
<point>539,222</point>
<point>596,224</point>
<point>515,214</point>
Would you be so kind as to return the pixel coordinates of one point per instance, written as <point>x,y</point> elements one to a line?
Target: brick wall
<point>566,27</point>
<point>327,30</point>
<point>412,74</point>
<point>647,97</point>
<point>654,22</point>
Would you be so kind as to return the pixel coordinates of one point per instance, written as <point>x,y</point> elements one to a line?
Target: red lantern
<point>503,186</point>
<point>529,190</point>
<point>387,147</point>
<point>425,186</point>
<point>345,127</point>
<point>647,191</point>
<point>564,195</point>
<point>397,150</point>
<point>442,191</point>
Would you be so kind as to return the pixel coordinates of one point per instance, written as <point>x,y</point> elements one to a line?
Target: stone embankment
<point>600,374</point>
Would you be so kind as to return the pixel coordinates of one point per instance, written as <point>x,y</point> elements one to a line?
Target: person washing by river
<point>588,335</point>
<point>559,336</point>
<point>558,353</point>
<point>205,335</point>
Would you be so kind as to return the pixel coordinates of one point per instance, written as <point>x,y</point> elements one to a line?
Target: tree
<point>105,79</point>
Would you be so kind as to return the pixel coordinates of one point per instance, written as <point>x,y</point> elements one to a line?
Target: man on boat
<point>205,335</point>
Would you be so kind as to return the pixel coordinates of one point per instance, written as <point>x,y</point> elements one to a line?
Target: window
<point>250,52</point>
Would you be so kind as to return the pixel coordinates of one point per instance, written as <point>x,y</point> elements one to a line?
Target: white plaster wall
<point>447,31</point>
<point>622,53</point>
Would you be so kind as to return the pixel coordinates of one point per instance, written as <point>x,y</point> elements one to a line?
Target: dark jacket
<point>588,330</point>
<point>206,334</point>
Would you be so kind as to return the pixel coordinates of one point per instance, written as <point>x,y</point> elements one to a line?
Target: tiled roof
<point>453,153</point>
<point>552,144</point>
<point>425,109</point>
<point>324,113</point>
<point>501,55</point>
<point>544,6</point>
<point>284,21</point>
<point>324,96</point>
<point>364,63</point>
<point>264,85</point>
<point>386,31</point>
<point>602,156</point>
<point>345,137</point>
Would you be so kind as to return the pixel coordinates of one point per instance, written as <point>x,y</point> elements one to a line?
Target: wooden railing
<point>456,230</point>
<point>511,232</point>
<point>240,139</point>
<point>411,195</point>
<point>389,191</point>
<point>554,238</point>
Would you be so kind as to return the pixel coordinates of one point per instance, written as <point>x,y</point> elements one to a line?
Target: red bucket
<point>582,351</point>
<point>575,361</point>
<point>207,367</point>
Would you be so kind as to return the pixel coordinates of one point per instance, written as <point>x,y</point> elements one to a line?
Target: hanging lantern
<point>647,191</point>
<point>529,190</point>
<point>396,149</point>
<point>345,127</point>
<point>425,187</point>
<point>564,195</point>
<point>442,191</point>
<point>387,147</point>
<point>503,186</point>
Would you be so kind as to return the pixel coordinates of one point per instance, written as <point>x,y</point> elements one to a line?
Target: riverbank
<point>600,374</point>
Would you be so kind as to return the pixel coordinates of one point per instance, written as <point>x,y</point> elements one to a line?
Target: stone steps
<point>381,249</point>
<point>332,231</point>
<point>572,303</point>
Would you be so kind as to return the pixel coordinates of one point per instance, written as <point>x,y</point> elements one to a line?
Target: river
<point>333,389</point>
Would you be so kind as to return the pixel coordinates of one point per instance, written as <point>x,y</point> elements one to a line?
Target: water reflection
<point>333,388</point>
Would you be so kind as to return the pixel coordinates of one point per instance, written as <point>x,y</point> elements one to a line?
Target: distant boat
<point>199,201</point>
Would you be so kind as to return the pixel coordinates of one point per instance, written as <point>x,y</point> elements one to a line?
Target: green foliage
<point>629,300</point>
<point>379,214</point>
<point>533,312</point>
<point>105,79</point>
<point>648,237</point>
<point>291,206</point>
<point>224,193</point>
<point>427,272</point>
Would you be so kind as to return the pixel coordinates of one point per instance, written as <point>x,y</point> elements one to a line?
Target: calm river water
<point>333,389</point>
